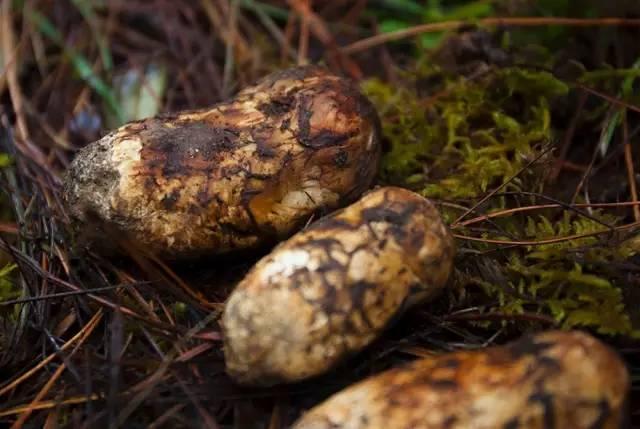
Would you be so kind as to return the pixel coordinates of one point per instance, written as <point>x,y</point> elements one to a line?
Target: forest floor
<point>520,119</point>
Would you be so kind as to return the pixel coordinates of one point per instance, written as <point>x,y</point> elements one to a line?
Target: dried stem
<point>508,212</point>
<point>379,39</point>
<point>629,226</point>
<point>631,175</point>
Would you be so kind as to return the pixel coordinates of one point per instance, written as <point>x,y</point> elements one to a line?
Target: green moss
<point>8,289</point>
<point>473,136</point>
<point>568,279</point>
<point>455,139</point>
<point>5,160</point>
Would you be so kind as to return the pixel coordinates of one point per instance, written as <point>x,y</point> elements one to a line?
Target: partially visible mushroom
<point>330,290</point>
<point>245,172</point>
<point>553,380</point>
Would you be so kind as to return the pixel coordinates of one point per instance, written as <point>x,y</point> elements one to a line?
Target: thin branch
<point>379,39</point>
<point>628,158</point>
<point>49,404</point>
<point>63,294</point>
<point>528,317</point>
<point>12,385</point>
<point>610,98</point>
<point>568,138</point>
<point>9,45</point>
<point>508,212</point>
<point>546,241</point>
<point>506,182</point>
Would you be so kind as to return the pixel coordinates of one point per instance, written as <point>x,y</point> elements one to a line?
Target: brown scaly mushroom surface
<point>553,380</point>
<point>331,289</point>
<point>243,173</point>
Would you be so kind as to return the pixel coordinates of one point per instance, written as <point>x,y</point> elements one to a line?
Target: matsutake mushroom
<point>331,289</point>
<point>552,380</point>
<point>243,173</point>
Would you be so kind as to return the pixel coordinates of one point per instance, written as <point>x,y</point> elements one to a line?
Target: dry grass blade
<point>505,183</point>
<point>86,332</point>
<point>230,42</point>
<point>58,295</point>
<point>162,419</point>
<point>49,404</point>
<point>159,373</point>
<point>9,45</point>
<point>629,227</point>
<point>9,228</point>
<point>81,335</point>
<point>508,212</point>
<point>631,175</point>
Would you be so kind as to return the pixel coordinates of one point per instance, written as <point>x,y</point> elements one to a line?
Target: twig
<point>49,404</point>
<point>272,27</point>
<point>321,31</point>
<point>564,205</point>
<point>158,375</point>
<point>232,31</point>
<point>529,317</point>
<point>86,331</point>
<point>303,41</point>
<point>585,176</point>
<point>15,383</point>
<point>34,267</point>
<point>9,228</point>
<point>547,241</point>
<point>506,182</point>
<point>379,39</point>
<point>9,45</point>
<point>61,295</point>
<point>568,137</point>
<point>631,175</point>
<point>289,30</point>
<point>610,98</point>
<point>507,212</point>
<point>164,417</point>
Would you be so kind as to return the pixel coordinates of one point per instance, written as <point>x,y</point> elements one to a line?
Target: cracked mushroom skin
<point>331,289</point>
<point>246,172</point>
<point>552,380</point>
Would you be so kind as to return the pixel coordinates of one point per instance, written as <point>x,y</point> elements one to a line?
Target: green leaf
<point>5,160</point>
<point>471,10</point>
<point>608,131</point>
<point>403,6</point>
<point>79,62</point>
<point>391,25</point>
<point>7,288</point>
<point>86,9</point>
<point>431,40</point>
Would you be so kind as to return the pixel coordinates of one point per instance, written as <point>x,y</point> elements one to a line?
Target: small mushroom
<point>243,173</point>
<point>553,380</point>
<point>330,290</point>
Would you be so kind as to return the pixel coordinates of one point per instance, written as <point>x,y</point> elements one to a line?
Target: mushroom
<point>331,289</point>
<point>550,380</point>
<point>244,173</point>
